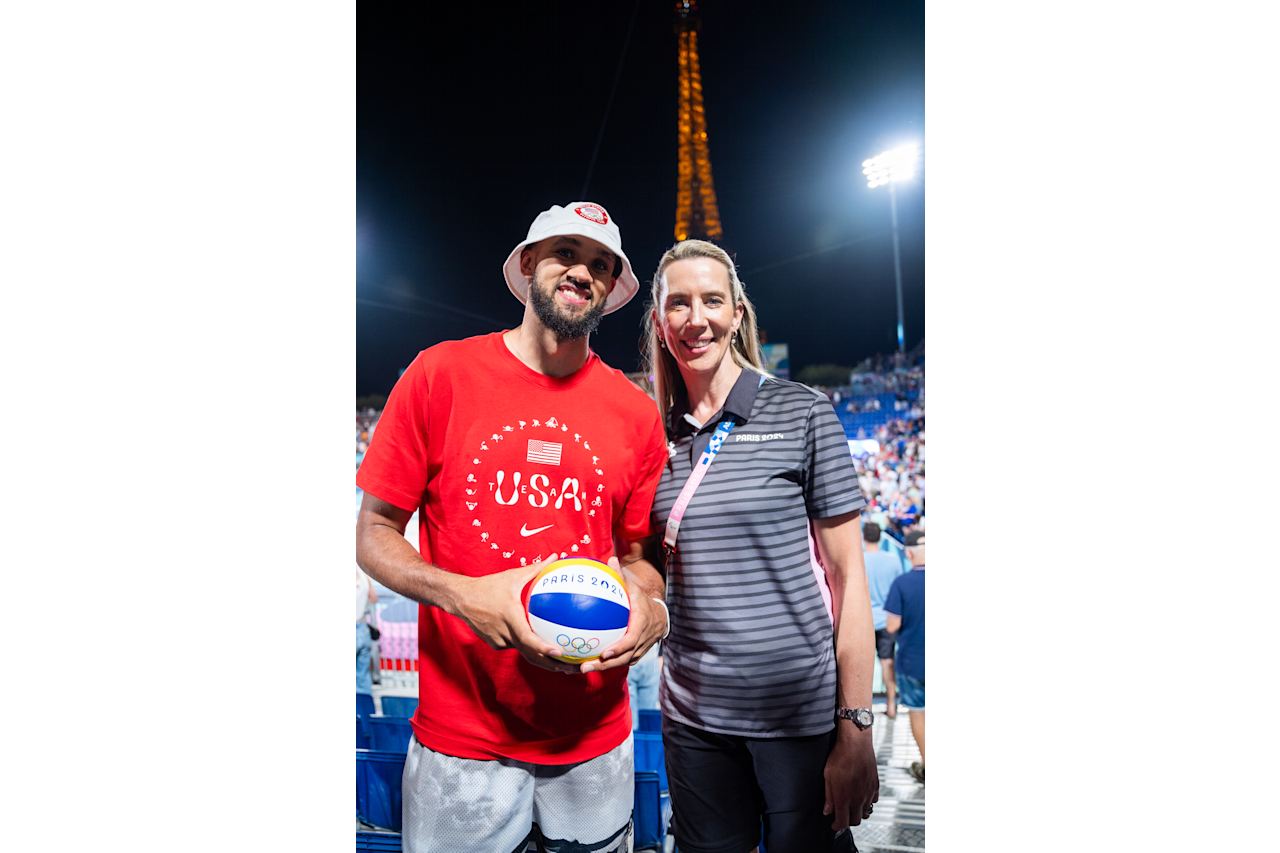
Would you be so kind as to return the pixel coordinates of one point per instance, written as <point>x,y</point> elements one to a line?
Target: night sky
<point>472,118</point>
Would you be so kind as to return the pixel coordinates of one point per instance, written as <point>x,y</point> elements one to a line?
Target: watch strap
<point>852,714</point>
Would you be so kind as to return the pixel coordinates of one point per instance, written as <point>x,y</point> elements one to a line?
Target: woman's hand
<point>852,780</point>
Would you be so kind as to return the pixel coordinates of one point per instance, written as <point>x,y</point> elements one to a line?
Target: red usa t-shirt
<point>507,466</point>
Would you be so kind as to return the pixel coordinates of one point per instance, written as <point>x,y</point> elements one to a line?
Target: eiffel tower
<point>697,215</point>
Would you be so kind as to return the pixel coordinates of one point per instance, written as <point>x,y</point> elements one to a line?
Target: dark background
<point>473,118</point>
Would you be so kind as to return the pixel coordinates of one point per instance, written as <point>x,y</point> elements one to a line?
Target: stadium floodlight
<point>891,167</point>
<point>895,165</point>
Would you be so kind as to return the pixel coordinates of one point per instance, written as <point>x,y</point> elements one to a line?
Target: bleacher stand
<point>650,720</point>
<point>378,793</point>
<point>399,706</point>
<point>882,411</point>
<point>378,798</point>
<point>378,842</point>
<point>389,734</point>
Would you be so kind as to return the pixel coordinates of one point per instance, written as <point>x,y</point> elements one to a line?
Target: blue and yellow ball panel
<point>580,605</point>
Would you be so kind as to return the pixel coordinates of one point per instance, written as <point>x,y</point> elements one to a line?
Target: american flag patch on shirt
<point>546,452</point>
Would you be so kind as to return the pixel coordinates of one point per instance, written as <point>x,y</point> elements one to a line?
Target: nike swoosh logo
<point>525,531</point>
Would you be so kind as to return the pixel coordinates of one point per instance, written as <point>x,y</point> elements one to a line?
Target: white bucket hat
<point>578,219</point>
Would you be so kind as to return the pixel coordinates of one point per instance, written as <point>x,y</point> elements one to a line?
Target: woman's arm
<point>852,781</point>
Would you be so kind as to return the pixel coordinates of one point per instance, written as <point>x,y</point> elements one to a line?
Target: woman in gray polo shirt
<point>766,686</point>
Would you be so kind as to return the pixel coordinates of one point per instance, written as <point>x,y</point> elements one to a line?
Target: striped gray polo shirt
<point>751,650</point>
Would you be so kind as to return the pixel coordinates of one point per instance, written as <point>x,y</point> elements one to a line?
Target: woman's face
<point>697,316</point>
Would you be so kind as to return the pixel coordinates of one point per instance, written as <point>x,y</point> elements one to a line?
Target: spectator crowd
<point>890,455</point>
<point>366,423</point>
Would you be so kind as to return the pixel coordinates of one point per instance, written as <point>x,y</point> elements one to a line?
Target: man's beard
<point>565,328</point>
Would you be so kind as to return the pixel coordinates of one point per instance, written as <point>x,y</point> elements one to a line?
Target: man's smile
<point>574,294</point>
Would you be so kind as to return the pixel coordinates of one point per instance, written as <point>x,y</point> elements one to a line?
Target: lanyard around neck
<point>691,485</point>
<point>695,479</point>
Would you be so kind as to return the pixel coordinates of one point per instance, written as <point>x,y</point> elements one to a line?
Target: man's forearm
<point>646,576</point>
<point>387,557</point>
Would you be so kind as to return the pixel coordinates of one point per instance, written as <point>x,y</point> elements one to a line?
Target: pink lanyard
<point>691,485</point>
<point>695,479</point>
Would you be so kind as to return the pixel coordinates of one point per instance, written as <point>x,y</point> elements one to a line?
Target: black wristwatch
<point>860,717</point>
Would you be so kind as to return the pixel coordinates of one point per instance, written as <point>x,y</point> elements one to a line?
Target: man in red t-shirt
<point>518,448</point>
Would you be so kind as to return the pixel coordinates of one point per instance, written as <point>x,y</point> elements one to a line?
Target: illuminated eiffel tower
<point>697,215</point>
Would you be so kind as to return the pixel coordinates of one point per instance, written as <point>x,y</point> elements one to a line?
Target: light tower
<point>891,167</point>
<point>697,215</point>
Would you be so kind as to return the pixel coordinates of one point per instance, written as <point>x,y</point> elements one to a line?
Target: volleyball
<point>579,605</point>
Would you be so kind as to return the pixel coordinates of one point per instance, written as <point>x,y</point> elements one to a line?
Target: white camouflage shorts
<point>461,805</point>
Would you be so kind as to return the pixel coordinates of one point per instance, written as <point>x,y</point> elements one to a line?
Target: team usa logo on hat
<point>571,220</point>
<point>592,212</point>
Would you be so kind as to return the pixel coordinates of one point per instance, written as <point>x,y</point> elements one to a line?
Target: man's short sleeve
<point>635,521</point>
<point>893,601</point>
<point>395,466</point>
<point>831,480</point>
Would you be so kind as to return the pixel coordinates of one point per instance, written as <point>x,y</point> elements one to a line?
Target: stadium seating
<point>650,720</point>
<point>362,734</point>
<point>652,802</point>
<point>398,621</point>
<point>649,755</point>
<point>378,842</point>
<point>388,734</point>
<point>870,421</point>
<point>399,706</point>
<point>378,787</point>
<point>379,770</point>
<point>652,811</point>
<point>364,705</point>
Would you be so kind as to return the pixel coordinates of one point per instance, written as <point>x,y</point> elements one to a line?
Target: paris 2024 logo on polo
<point>534,485</point>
